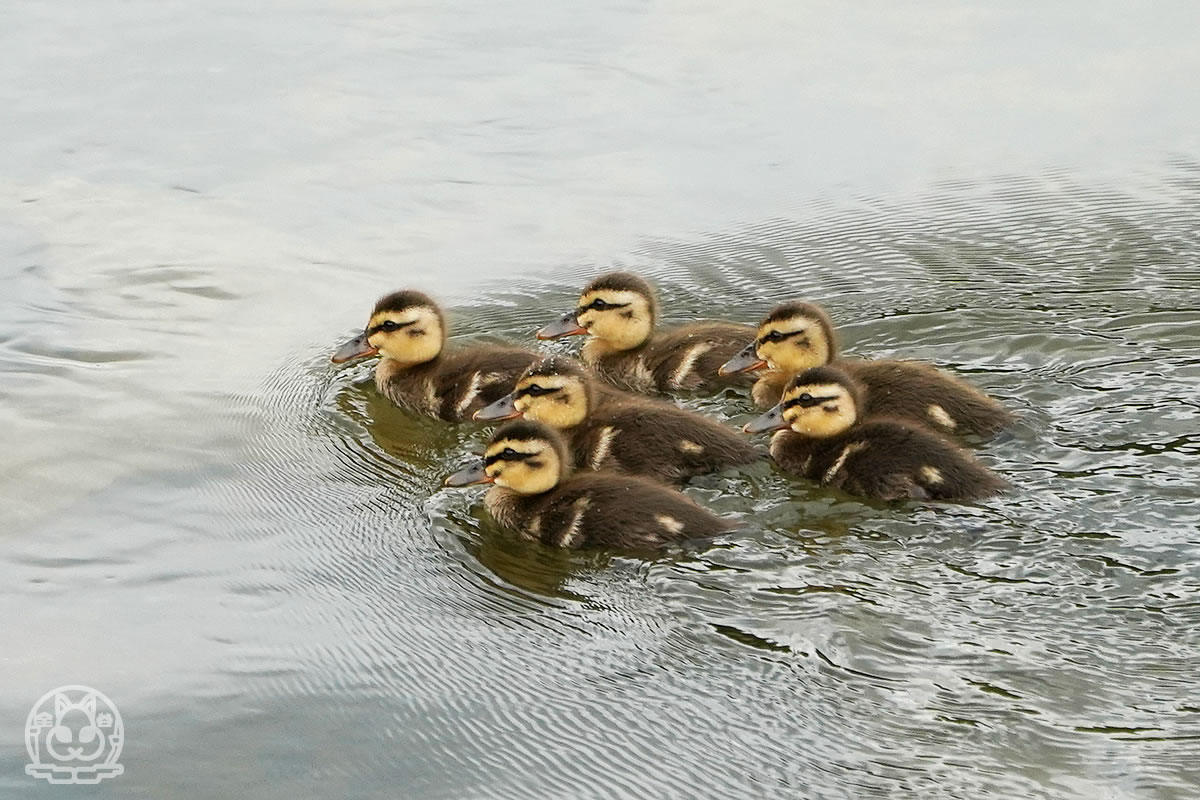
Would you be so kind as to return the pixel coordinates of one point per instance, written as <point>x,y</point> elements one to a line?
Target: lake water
<point>249,552</point>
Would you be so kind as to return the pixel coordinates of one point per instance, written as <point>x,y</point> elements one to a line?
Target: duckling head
<point>555,390</point>
<point>619,309</point>
<point>524,456</point>
<point>819,402</point>
<point>794,337</point>
<point>407,327</point>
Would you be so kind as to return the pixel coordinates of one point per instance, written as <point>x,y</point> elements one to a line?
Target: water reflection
<point>251,553</point>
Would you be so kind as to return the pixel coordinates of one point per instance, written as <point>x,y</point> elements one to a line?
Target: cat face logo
<point>74,734</point>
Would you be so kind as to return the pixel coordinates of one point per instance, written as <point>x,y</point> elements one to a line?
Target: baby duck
<point>611,430</point>
<point>408,330</point>
<point>796,336</point>
<point>824,437</point>
<point>535,493</point>
<point>618,312</point>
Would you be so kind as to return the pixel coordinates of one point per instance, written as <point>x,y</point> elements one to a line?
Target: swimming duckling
<point>611,430</point>
<point>822,437</point>
<point>796,336</point>
<point>618,312</point>
<point>536,494</point>
<point>408,330</point>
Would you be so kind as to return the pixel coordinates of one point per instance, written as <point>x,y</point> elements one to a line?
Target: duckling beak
<point>504,408</point>
<point>745,361</point>
<point>355,348</point>
<point>771,421</point>
<point>566,325</point>
<point>470,475</point>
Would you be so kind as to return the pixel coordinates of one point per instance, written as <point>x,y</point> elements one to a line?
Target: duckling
<point>825,436</point>
<point>796,336</point>
<point>536,493</point>
<point>618,312</point>
<point>611,430</point>
<point>408,330</point>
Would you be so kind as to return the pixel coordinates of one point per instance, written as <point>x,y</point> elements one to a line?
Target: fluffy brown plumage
<point>416,371</point>
<point>881,458</point>
<point>619,311</point>
<point>796,336</point>
<point>612,430</point>
<point>536,494</point>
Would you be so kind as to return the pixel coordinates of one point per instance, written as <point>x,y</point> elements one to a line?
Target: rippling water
<point>251,554</point>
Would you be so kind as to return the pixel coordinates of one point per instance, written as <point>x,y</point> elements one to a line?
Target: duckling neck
<point>595,349</point>
<point>794,451</point>
<point>507,507</point>
<point>389,368</point>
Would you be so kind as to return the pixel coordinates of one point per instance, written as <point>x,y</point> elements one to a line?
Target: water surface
<point>250,552</point>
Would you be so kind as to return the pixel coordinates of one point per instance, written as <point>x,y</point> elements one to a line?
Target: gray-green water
<point>250,552</point>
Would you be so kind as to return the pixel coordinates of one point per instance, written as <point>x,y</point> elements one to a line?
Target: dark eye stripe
<point>779,337</point>
<point>809,403</point>
<point>537,391</point>
<point>507,455</point>
<point>389,325</point>
<point>601,305</point>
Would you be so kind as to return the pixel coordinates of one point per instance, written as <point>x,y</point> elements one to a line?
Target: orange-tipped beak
<point>504,408</point>
<point>771,421</point>
<point>745,361</point>
<point>355,348</point>
<point>566,325</point>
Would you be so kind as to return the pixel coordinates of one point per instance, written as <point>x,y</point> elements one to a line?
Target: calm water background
<point>250,553</point>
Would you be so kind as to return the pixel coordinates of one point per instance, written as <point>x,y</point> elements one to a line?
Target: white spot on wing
<point>688,446</point>
<point>603,446</point>
<point>931,475</point>
<point>573,533</point>
<point>431,399</point>
<point>643,377</point>
<point>672,525</point>
<point>847,451</point>
<point>469,395</point>
<point>941,416</point>
<point>688,362</point>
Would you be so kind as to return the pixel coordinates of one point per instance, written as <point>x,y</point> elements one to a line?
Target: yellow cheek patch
<point>828,418</point>
<point>806,345</point>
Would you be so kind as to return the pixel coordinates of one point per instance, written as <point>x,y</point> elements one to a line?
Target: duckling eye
<point>389,326</point>
<point>773,336</point>
<point>508,454</point>
<point>536,390</point>
<point>806,398</point>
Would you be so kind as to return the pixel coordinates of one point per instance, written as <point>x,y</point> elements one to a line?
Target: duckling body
<point>536,494</point>
<point>454,385</point>
<point>886,459</point>
<point>615,431</point>
<point>880,458</point>
<point>618,312</point>
<point>923,394</point>
<point>417,373</point>
<point>797,336</point>
<point>597,509</point>
<point>685,358</point>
